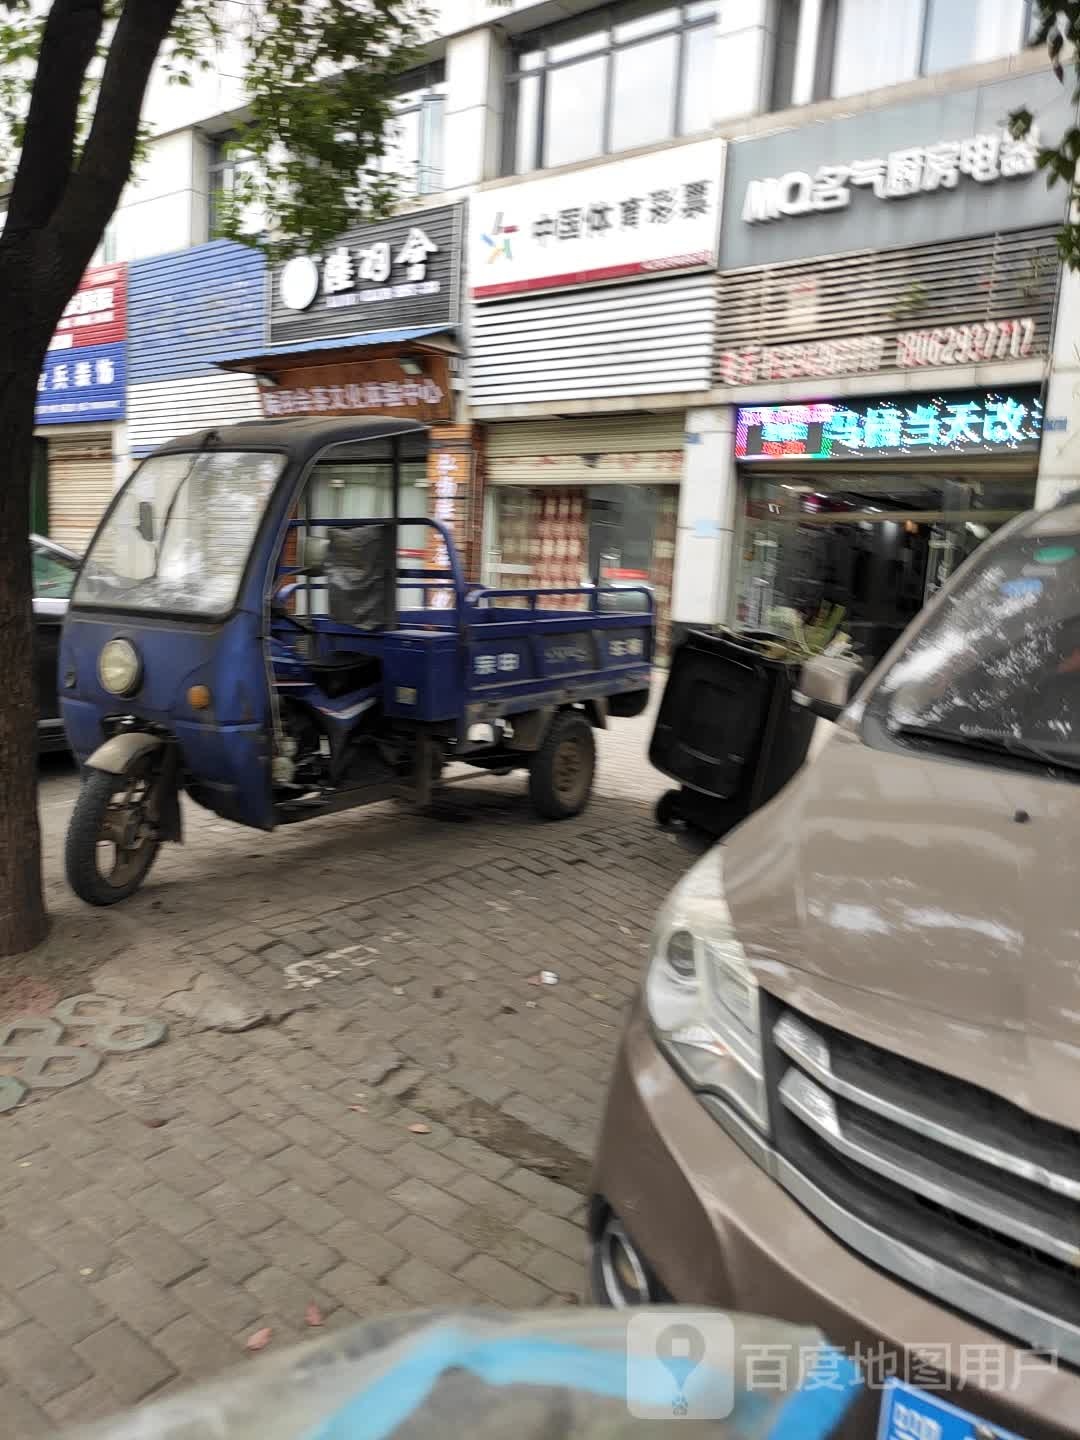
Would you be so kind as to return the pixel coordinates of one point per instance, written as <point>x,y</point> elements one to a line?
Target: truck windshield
<point>997,667</point>
<point>180,535</point>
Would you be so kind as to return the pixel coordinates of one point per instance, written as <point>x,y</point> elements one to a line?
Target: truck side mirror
<point>827,683</point>
<point>145,525</point>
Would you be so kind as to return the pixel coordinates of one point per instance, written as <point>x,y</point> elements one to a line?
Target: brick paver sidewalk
<point>416,1133</point>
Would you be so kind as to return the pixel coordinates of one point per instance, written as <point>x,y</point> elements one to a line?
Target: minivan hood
<point>925,905</point>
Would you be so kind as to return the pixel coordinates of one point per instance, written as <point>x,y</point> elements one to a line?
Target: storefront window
<point>868,548</point>
<point>624,76</point>
<point>566,535</point>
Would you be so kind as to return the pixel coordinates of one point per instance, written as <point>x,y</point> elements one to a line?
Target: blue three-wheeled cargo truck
<point>226,639</point>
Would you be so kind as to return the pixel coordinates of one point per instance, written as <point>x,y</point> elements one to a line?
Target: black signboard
<point>397,273</point>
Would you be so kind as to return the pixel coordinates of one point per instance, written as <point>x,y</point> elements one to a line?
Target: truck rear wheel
<point>111,839</point>
<point>561,772</point>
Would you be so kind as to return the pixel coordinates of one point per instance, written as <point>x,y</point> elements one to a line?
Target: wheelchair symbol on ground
<point>34,1056</point>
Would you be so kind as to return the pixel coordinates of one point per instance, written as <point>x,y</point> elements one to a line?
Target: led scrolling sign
<point>986,423</point>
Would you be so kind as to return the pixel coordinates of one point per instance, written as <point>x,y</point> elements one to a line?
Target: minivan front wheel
<point>112,838</point>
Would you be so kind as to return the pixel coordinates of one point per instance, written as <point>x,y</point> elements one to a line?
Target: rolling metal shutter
<point>612,450</point>
<point>647,338</point>
<point>1000,277</point>
<point>80,486</point>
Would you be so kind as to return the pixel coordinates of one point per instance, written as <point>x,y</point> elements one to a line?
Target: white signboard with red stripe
<point>646,215</point>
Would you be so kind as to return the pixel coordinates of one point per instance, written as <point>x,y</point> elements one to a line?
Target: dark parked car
<point>54,574</point>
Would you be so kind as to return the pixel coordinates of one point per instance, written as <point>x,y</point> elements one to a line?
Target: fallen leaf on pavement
<point>419,1129</point>
<point>259,1340</point>
<point>313,1315</point>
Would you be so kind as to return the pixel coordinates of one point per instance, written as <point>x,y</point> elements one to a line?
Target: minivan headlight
<point>701,994</point>
<point>119,667</point>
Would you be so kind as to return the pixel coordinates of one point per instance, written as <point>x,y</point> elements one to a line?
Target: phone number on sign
<point>967,344</point>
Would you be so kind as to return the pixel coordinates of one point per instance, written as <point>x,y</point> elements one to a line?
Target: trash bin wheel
<point>668,811</point>
<point>561,771</point>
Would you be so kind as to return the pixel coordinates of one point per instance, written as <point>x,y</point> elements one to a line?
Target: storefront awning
<point>246,360</point>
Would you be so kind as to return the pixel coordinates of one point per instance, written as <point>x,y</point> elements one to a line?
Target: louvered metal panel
<point>609,434</point>
<point>987,298</point>
<point>641,339</point>
<point>80,486</point>
<point>188,308</point>
<point>158,412</point>
<point>628,450</point>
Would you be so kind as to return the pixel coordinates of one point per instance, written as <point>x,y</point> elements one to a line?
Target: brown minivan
<point>849,1092</point>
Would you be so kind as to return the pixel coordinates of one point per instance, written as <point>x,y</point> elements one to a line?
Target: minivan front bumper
<point>718,1230</point>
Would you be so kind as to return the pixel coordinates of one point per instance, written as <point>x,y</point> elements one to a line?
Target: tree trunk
<point>23,923</point>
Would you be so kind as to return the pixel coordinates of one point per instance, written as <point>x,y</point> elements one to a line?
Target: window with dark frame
<point>414,148</point>
<point>623,76</point>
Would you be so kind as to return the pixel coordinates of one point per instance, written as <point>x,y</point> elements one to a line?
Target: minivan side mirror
<point>827,683</point>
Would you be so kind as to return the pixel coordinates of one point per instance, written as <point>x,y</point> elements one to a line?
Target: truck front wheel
<point>112,839</point>
<point>561,771</point>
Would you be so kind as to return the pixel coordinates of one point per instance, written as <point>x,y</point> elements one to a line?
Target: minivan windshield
<point>997,667</point>
<point>180,534</point>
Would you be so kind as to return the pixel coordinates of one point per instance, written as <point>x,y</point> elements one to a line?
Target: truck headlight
<point>702,996</point>
<point>119,667</point>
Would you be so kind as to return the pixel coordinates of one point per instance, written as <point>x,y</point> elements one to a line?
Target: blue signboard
<point>84,383</point>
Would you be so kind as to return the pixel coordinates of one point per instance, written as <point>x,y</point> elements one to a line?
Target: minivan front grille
<point>949,1169</point>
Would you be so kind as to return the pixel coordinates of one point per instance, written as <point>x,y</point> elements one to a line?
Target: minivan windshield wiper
<point>995,744</point>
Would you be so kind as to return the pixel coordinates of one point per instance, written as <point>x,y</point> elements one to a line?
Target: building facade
<point>677,223</point>
<point>81,446</point>
<point>885,326</point>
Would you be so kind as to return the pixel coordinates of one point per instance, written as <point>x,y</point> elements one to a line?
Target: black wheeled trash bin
<point>729,730</point>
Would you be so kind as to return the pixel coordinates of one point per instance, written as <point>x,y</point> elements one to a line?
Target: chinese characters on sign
<point>402,272</point>
<point>97,313</point>
<point>659,207</point>
<point>87,383</point>
<point>360,275</point>
<point>350,399</point>
<point>611,221</point>
<point>918,170</point>
<point>986,423</point>
<point>85,372</point>
<point>359,387</point>
<point>945,345</point>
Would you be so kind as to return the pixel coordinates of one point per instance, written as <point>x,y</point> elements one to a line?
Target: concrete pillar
<point>1059,456</point>
<point>746,41</point>
<point>806,52</point>
<point>475,97</point>
<point>705,546</point>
